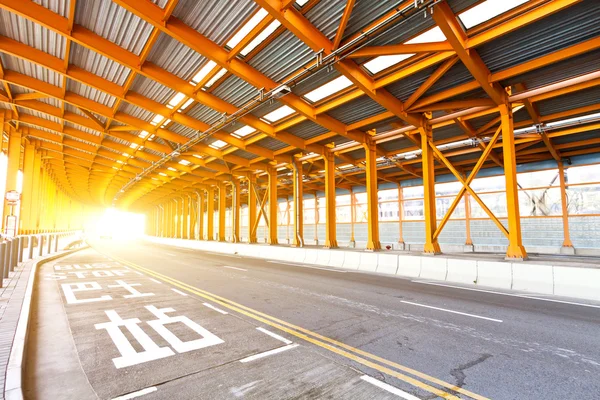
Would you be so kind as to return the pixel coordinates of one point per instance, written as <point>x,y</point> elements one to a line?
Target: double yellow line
<point>354,354</point>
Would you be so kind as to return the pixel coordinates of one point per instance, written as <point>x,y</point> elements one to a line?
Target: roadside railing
<point>14,250</point>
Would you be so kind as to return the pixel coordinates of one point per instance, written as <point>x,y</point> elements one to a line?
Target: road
<point>412,335</point>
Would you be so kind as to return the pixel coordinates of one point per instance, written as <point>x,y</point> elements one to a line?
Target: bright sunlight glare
<point>119,225</point>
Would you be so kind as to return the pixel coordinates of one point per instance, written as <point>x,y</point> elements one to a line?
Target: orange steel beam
<point>457,37</point>
<point>433,78</point>
<point>343,22</point>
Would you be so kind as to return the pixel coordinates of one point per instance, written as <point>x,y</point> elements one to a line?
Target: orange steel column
<point>27,195</point>
<point>35,199</point>
<point>467,198</point>
<point>330,228</point>
<point>373,242</point>
<point>210,213</point>
<point>222,209</point>
<point>431,245</point>
<point>236,208</point>
<point>567,246</point>
<point>251,209</point>
<point>200,215</point>
<point>186,218</point>
<point>352,217</point>
<point>401,244</point>
<point>12,169</point>
<point>273,206</point>
<point>515,251</point>
<point>298,203</point>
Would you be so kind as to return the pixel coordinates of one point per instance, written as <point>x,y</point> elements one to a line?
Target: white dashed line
<point>155,281</point>
<point>239,269</point>
<point>136,394</point>
<point>215,308</point>
<point>388,388</point>
<point>451,311</point>
<point>268,353</point>
<point>223,255</point>
<point>179,292</point>
<point>275,336</point>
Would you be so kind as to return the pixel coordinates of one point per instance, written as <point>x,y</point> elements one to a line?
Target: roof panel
<point>215,19</point>
<point>32,34</point>
<point>271,144</point>
<point>175,57</point>
<point>90,93</point>
<point>356,110</point>
<point>204,114</point>
<point>307,130</point>
<point>112,22</point>
<point>182,130</point>
<point>152,89</point>
<point>570,101</point>
<point>32,70</point>
<point>326,15</point>
<point>136,111</point>
<point>280,58</point>
<point>244,154</point>
<point>235,91</point>
<point>98,64</point>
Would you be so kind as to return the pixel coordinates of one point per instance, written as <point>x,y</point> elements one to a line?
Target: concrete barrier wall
<point>575,282</point>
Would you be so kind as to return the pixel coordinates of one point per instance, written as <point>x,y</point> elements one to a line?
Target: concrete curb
<point>13,387</point>
<point>576,282</point>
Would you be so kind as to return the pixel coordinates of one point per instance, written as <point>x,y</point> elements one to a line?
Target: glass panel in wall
<point>342,214</point>
<point>538,179</point>
<point>443,204</point>
<point>540,202</point>
<point>496,202</point>
<point>412,192</point>
<point>584,199</point>
<point>413,210</point>
<point>584,174</point>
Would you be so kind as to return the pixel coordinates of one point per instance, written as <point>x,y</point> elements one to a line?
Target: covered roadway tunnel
<point>300,199</point>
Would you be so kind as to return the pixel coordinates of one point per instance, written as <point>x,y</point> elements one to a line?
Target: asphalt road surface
<point>326,333</point>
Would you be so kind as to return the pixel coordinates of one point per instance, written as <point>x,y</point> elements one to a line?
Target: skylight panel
<point>278,114</point>
<point>134,145</point>
<point>162,174</point>
<point>430,36</point>
<point>171,169</point>
<point>265,33</point>
<point>328,89</point>
<point>486,11</point>
<point>248,26</point>
<point>157,118</point>
<point>184,162</point>
<point>217,144</point>
<point>215,78</point>
<point>176,100</point>
<point>198,156</point>
<point>143,134</point>
<point>165,123</point>
<point>244,131</point>
<point>301,2</point>
<point>186,104</point>
<point>204,71</point>
<point>126,155</point>
<point>383,62</point>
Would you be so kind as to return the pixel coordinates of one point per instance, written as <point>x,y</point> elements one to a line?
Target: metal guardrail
<point>12,249</point>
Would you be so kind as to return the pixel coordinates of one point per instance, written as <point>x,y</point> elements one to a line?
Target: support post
<point>401,244</point>
<point>373,242</point>
<point>186,218</point>
<point>468,242</point>
<point>200,215</point>
<point>273,206</point>
<point>431,246</point>
<point>3,271</point>
<point>567,246</point>
<point>330,228</point>
<point>35,200</point>
<point>298,202</point>
<point>210,213</point>
<point>236,207</point>
<point>352,217</point>
<point>251,210</point>
<point>222,210</point>
<point>27,195</point>
<point>515,251</point>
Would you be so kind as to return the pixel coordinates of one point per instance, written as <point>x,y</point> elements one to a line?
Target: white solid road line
<point>388,388</point>
<point>155,281</point>
<point>524,296</point>
<point>451,311</point>
<point>136,394</point>
<point>306,266</point>
<point>239,269</point>
<point>275,336</point>
<point>215,308</point>
<point>224,255</point>
<point>268,353</point>
<point>179,292</point>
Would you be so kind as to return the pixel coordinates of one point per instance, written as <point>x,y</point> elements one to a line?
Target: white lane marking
<point>275,336</point>
<point>239,269</point>
<point>215,308</point>
<point>269,353</point>
<point>179,292</point>
<point>170,254</point>
<point>388,388</point>
<point>155,281</point>
<point>525,296</point>
<point>307,266</point>
<point>451,311</point>
<point>137,394</point>
<point>224,255</point>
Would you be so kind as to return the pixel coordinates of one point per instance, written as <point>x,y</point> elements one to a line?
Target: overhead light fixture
<point>281,91</point>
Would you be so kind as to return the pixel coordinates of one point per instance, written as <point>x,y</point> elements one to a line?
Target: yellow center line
<point>303,333</point>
